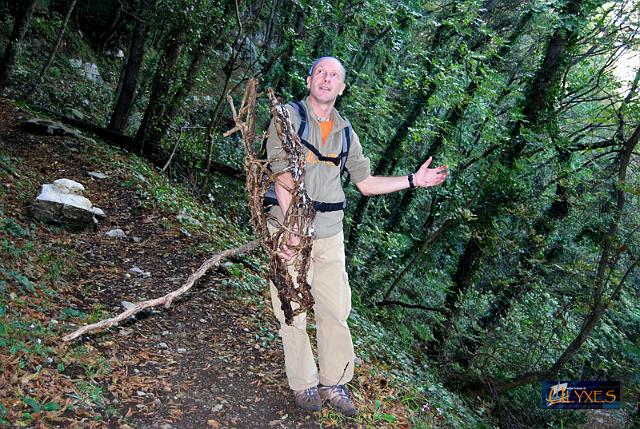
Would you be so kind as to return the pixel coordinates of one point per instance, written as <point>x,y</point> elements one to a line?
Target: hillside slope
<point>213,359</point>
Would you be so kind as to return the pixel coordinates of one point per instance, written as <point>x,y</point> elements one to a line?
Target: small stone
<point>163,346</point>
<point>165,333</point>
<point>127,305</point>
<point>140,393</point>
<point>115,233</point>
<point>216,408</point>
<point>181,350</point>
<point>203,321</point>
<point>185,218</point>
<point>139,272</point>
<point>245,329</point>
<point>53,322</point>
<point>136,239</point>
<point>97,175</point>
<point>185,232</point>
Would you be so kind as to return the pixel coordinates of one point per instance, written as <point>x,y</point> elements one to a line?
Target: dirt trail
<point>195,365</point>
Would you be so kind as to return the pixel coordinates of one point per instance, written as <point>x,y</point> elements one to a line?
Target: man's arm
<point>284,185</point>
<point>425,176</point>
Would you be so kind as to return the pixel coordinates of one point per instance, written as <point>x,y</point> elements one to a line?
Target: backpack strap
<point>346,147</point>
<point>339,161</point>
<point>303,129</point>
<point>303,133</point>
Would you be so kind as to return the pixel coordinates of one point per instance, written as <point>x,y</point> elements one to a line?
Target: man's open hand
<point>426,176</point>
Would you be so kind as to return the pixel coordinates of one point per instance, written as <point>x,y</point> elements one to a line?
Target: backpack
<point>270,199</point>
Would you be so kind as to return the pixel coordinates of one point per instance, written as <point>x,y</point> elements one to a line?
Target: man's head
<point>326,79</point>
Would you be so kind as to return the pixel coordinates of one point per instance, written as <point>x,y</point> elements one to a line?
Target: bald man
<point>327,275</point>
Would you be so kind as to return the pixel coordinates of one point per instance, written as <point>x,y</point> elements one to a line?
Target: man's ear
<point>342,88</point>
<point>308,82</point>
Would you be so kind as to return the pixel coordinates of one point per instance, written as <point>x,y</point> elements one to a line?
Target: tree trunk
<point>395,144</point>
<point>606,265</point>
<point>540,96</point>
<point>148,139</point>
<point>456,114</point>
<point>184,89</point>
<point>15,43</point>
<point>122,109</point>
<point>114,24</point>
<point>54,51</point>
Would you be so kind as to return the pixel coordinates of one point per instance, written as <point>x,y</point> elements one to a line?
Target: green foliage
<point>538,212</point>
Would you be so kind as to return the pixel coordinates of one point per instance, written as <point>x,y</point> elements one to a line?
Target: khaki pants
<point>330,289</point>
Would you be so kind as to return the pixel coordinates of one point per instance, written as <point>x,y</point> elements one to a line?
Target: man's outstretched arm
<point>425,176</point>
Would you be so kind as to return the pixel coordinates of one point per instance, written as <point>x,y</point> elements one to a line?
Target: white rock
<point>119,54</point>
<point>68,186</point>
<point>127,305</point>
<point>185,218</point>
<point>97,175</point>
<point>91,72</point>
<point>47,127</point>
<point>181,350</point>
<point>75,63</point>
<point>141,273</point>
<point>62,203</point>
<point>115,233</point>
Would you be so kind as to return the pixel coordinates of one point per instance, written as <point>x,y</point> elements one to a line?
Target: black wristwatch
<point>411,184</point>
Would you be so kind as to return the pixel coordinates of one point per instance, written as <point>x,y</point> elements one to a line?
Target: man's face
<point>326,82</point>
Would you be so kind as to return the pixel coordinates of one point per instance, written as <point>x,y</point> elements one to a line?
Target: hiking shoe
<point>308,399</point>
<point>338,397</point>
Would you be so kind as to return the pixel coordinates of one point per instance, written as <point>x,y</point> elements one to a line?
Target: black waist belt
<point>318,205</point>
<point>329,207</point>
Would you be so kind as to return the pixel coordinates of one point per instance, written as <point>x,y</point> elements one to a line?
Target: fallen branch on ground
<point>165,300</point>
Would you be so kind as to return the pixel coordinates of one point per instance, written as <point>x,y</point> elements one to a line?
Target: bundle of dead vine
<point>300,215</point>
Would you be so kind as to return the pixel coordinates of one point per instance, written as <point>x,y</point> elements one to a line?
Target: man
<point>327,274</point>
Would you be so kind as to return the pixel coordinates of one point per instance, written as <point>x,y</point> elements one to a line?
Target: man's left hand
<point>426,176</point>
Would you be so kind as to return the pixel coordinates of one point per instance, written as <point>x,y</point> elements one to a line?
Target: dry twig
<point>301,213</point>
<point>165,300</point>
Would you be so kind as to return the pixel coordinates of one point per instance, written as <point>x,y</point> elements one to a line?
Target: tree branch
<point>165,300</point>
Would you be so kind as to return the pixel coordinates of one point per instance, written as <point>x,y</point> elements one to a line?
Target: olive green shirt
<point>321,179</point>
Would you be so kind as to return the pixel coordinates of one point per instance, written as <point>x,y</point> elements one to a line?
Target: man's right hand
<point>289,250</point>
